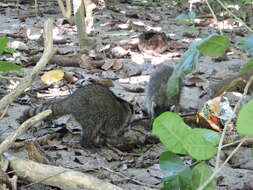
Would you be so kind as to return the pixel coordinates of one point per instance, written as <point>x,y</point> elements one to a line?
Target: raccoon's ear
<point>131,106</point>
<point>19,120</point>
<point>125,102</point>
<point>158,110</point>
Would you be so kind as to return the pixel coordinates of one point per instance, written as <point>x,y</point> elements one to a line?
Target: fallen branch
<point>56,176</point>
<point>27,81</point>
<point>7,143</point>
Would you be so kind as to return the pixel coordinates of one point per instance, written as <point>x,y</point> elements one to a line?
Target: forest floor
<point>115,27</point>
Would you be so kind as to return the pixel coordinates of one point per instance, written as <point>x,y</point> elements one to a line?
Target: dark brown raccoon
<point>100,113</point>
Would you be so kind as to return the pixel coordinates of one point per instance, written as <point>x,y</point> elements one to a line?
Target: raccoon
<point>98,110</point>
<point>156,99</point>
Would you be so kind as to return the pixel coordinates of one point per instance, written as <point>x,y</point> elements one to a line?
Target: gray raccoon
<point>97,109</point>
<point>156,99</point>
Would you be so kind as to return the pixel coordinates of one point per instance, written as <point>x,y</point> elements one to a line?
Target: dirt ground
<point>137,168</point>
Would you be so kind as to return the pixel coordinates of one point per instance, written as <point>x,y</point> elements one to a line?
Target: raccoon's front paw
<point>95,143</point>
<point>86,144</point>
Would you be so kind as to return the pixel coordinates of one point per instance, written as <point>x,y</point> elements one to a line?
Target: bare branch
<point>27,81</point>
<point>56,176</point>
<point>22,129</point>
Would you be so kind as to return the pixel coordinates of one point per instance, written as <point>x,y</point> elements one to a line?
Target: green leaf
<point>173,86</point>
<point>209,135</point>
<point>177,174</point>
<point>190,16</point>
<point>171,130</point>
<point>6,66</point>
<point>9,50</point>
<point>247,44</point>
<point>3,44</point>
<point>244,124</point>
<point>171,183</point>
<point>248,66</point>
<point>198,147</point>
<point>170,162</point>
<point>182,17</point>
<point>187,65</point>
<point>200,173</point>
<point>134,7</point>
<point>215,46</point>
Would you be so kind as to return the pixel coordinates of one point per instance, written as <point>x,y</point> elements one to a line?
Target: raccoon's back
<point>95,102</point>
<point>91,102</point>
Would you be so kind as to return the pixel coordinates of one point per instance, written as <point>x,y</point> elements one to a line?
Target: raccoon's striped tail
<point>32,112</point>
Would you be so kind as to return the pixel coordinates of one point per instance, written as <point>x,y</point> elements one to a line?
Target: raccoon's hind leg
<point>91,136</point>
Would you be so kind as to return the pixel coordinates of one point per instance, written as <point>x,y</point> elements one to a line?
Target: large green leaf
<point>3,44</point>
<point>245,120</point>
<point>247,44</point>
<point>215,46</point>
<point>170,162</point>
<point>248,66</point>
<point>171,130</point>
<point>198,147</point>
<point>212,45</point>
<point>200,173</point>
<point>8,66</point>
<point>209,135</point>
<point>171,183</point>
<point>177,174</point>
<point>187,65</point>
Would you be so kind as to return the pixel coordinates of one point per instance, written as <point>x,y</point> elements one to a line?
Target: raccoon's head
<point>127,112</point>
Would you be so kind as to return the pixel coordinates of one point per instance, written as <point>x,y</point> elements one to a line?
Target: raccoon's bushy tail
<point>33,111</point>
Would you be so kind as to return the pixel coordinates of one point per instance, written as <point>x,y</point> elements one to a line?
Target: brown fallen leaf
<point>108,64</point>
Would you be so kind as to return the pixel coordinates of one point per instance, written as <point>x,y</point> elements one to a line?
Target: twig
<point>240,20</point>
<point>23,128</point>
<point>247,140</point>
<point>27,81</point>
<point>131,179</point>
<point>228,122</point>
<point>4,112</point>
<point>221,167</point>
<point>214,16</point>
<point>10,78</point>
